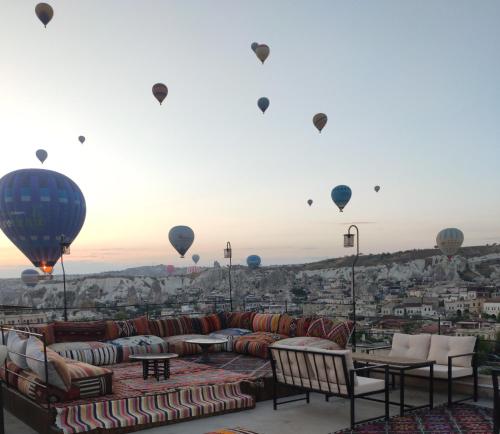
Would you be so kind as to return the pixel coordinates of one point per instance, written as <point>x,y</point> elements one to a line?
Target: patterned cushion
<point>291,326</point>
<point>302,326</point>
<point>256,343</point>
<point>125,351</point>
<point>171,326</point>
<point>132,341</point>
<point>129,327</point>
<point>73,331</point>
<point>266,322</point>
<point>45,329</point>
<point>177,345</point>
<point>231,335</point>
<point>304,341</point>
<point>240,320</point>
<point>210,323</point>
<point>336,331</point>
<point>95,353</point>
<point>17,349</point>
<point>57,370</point>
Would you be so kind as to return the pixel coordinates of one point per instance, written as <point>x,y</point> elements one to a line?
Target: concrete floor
<point>318,417</point>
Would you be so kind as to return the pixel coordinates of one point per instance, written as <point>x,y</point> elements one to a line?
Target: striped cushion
<point>130,327</point>
<point>239,320</point>
<point>125,351</point>
<point>231,335</point>
<point>256,343</point>
<point>285,325</point>
<point>210,323</point>
<point>336,331</point>
<point>177,345</point>
<point>80,370</point>
<point>266,322</point>
<point>95,353</point>
<point>73,331</point>
<point>171,326</point>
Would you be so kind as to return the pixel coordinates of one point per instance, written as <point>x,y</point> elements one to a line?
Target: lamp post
<point>228,253</point>
<point>349,242</point>
<point>65,250</point>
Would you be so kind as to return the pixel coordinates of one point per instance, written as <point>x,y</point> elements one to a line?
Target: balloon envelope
<point>341,195</point>
<point>254,46</point>
<point>30,277</point>
<point>377,188</point>
<point>181,237</point>
<point>449,241</point>
<point>320,120</point>
<point>262,52</point>
<point>253,261</point>
<point>37,207</point>
<point>195,258</point>
<point>81,139</point>
<point>263,103</point>
<point>44,12</point>
<point>41,154</point>
<point>310,202</point>
<point>170,269</point>
<point>160,91</point>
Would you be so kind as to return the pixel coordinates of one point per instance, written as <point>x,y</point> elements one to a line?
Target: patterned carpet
<point>250,366</point>
<point>237,430</point>
<point>460,418</point>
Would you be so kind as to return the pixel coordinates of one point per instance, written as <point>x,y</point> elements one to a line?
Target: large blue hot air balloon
<point>253,261</point>
<point>341,195</point>
<point>38,208</point>
<point>263,103</point>
<point>181,237</point>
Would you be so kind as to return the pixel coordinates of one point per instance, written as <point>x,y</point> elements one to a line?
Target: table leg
<point>204,353</point>
<point>402,392</point>
<point>166,369</point>
<point>156,371</point>
<point>431,387</point>
<point>145,369</point>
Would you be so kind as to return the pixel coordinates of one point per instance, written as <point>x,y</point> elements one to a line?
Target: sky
<point>411,90</point>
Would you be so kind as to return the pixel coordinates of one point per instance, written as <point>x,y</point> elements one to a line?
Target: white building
<point>492,307</point>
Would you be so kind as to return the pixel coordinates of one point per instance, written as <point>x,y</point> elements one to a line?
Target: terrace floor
<point>318,417</point>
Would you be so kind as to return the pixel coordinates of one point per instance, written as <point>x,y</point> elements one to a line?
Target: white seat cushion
<point>411,346</point>
<point>441,371</point>
<point>330,368</point>
<point>444,346</point>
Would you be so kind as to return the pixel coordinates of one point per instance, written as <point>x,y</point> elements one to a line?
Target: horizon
<point>411,93</point>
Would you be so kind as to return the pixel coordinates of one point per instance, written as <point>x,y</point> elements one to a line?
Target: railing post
<point>147,310</point>
<point>439,325</point>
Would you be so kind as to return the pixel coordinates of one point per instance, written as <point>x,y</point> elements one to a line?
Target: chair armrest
<point>450,360</point>
<point>462,355</point>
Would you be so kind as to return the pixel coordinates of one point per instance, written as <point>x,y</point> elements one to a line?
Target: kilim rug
<point>459,419</point>
<point>254,367</point>
<point>236,430</point>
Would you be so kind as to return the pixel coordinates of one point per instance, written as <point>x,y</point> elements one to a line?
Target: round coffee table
<point>205,344</point>
<point>151,362</point>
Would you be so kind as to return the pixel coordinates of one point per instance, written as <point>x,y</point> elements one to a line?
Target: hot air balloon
<point>195,258</point>
<point>262,52</point>
<point>263,103</point>
<point>81,139</point>
<point>39,209</point>
<point>310,202</point>
<point>30,277</point>
<point>449,241</point>
<point>341,195</point>
<point>181,237</point>
<point>160,91</point>
<point>254,46</point>
<point>41,154</point>
<point>253,261</point>
<point>320,120</point>
<point>377,188</point>
<point>44,12</point>
<point>170,269</point>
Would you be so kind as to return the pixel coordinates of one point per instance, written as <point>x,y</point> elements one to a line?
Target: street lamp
<point>65,250</point>
<point>228,254</point>
<point>349,242</point>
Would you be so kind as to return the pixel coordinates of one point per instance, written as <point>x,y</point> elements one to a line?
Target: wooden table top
<point>160,356</point>
<point>206,341</point>
<point>388,360</point>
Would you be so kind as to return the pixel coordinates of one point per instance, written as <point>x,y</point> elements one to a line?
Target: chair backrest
<point>444,346</point>
<point>317,369</point>
<point>411,346</point>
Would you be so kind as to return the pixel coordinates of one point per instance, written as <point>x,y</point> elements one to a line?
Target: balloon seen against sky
<point>195,258</point>
<point>170,269</point>
<point>262,52</point>
<point>160,92</point>
<point>254,46</point>
<point>253,261</point>
<point>377,188</point>
<point>38,208</point>
<point>181,238</point>
<point>30,277</point>
<point>449,240</point>
<point>81,139</point>
<point>42,155</point>
<point>320,120</point>
<point>341,195</point>
<point>263,103</point>
<point>310,202</point>
<point>44,12</point>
